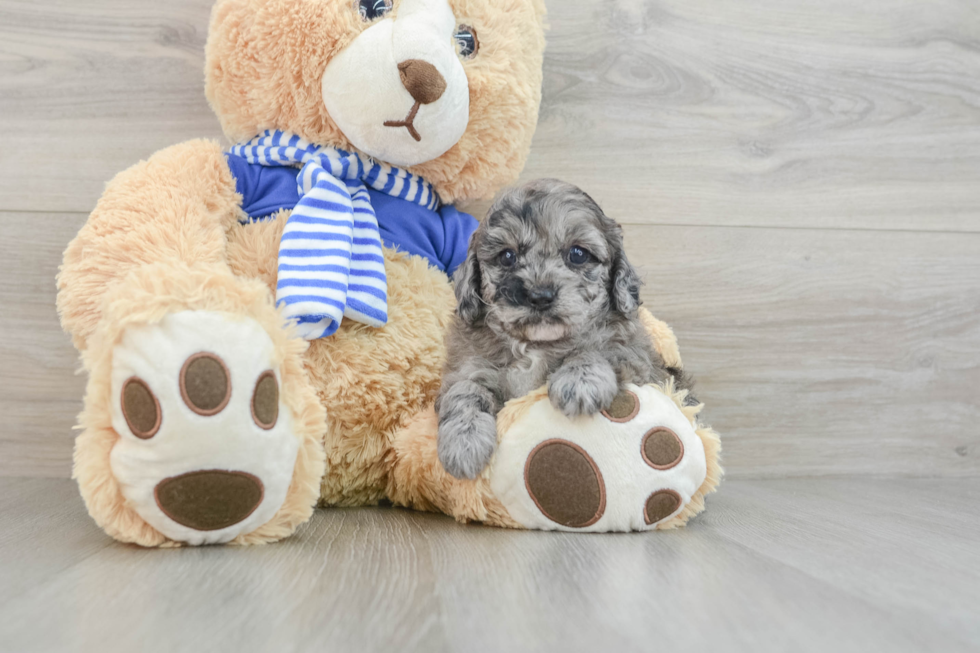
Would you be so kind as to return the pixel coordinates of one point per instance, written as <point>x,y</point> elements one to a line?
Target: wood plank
<point>45,532</point>
<point>825,351</point>
<point>774,113</point>
<point>40,392</point>
<point>756,573</point>
<point>816,351</point>
<point>89,88</point>
<point>898,543</point>
<point>782,112</point>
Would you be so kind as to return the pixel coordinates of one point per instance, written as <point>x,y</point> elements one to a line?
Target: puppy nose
<point>422,81</point>
<point>541,297</point>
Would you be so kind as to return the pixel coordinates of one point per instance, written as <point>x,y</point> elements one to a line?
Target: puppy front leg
<point>467,428</point>
<point>583,385</point>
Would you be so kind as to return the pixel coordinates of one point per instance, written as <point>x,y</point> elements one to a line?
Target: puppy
<point>545,294</point>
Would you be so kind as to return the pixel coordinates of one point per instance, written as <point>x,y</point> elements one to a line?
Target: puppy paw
<point>582,389</point>
<point>467,443</point>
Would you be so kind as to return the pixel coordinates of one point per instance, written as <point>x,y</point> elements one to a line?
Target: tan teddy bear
<point>263,328</point>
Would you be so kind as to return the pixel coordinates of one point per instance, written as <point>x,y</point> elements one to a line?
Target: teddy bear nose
<point>422,80</point>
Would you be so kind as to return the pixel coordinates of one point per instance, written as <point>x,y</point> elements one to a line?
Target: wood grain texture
<point>775,113</point>
<point>40,392</point>
<point>825,351</point>
<point>88,88</point>
<point>816,351</point>
<point>772,566</point>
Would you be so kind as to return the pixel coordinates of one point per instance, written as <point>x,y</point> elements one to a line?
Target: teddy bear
<point>262,325</point>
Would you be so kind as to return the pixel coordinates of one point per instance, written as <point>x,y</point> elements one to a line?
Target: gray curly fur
<point>586,343</point>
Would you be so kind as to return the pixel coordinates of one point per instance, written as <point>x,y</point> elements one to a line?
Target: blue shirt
<point>440,236</point>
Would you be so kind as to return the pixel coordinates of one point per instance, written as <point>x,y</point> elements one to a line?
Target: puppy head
<point>546,265</point>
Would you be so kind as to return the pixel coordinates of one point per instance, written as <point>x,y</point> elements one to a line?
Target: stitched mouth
<point>408,122</point>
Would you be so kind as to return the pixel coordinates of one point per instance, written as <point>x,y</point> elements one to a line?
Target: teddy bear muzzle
<point>425,84</point>
<point>419,104</point>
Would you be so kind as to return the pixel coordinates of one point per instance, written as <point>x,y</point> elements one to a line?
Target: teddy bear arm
<point>175,206</point>
<point>664,340</point>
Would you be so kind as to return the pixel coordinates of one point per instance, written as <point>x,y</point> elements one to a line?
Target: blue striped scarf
<point>330,260</point>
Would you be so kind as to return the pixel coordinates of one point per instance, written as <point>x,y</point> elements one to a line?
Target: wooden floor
<point>799,183</point>
<point>830,564</point>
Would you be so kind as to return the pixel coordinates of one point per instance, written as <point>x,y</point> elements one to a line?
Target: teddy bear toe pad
<point>205,452</point>
<point>628,469</point>
<point>209,500</point>
<point>565,484</point>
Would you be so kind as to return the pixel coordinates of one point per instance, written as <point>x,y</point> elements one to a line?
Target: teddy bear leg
<point>646,463</point>
<point>200,424</point>
<point>419,481</point>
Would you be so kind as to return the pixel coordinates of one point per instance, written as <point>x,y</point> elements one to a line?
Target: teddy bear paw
<point>631,468</point>
<point>206,449</point>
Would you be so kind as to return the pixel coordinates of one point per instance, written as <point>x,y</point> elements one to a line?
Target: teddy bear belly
<point>370,380</point>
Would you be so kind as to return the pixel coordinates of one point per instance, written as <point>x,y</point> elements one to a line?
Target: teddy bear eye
<point>466,41</point>
<point>372,9</point>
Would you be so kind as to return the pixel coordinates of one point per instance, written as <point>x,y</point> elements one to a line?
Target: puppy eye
<point>372,9</point>
<point>466,42</point>
<point>507,258</point>
<point>579,255</point>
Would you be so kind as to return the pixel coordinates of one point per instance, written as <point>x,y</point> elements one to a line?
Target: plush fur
<point>155,244</point>
<point>372,380</point>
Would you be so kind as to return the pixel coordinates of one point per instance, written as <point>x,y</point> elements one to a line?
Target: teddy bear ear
<point>256,80</point>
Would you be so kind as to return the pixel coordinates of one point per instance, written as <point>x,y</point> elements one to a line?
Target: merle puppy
<point>546,294</point>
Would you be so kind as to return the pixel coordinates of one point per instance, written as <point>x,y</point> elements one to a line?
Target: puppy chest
<point>526,374</point>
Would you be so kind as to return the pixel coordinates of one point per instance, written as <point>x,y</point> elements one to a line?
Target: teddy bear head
<point>448,89</point>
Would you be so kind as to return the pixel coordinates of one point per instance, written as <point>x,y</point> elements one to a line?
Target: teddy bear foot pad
<point>631,468</point>
<point>206,450</point>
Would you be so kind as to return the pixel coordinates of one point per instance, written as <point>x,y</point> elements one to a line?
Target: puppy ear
<point>468,283</point>
<point>625,284</point>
